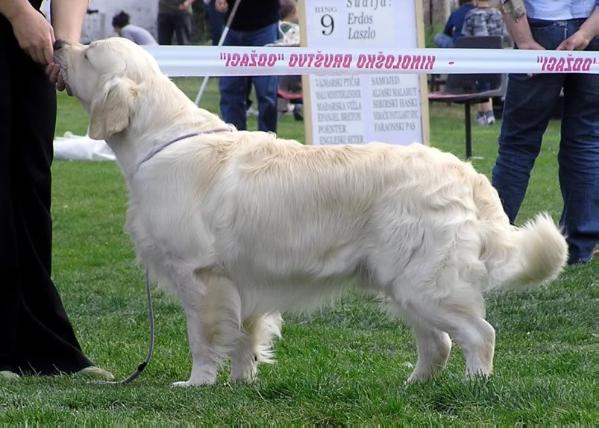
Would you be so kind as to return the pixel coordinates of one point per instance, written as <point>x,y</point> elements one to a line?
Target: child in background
<point>138,35</point>
<point>289,23</point>
<point>453,27</point>
<point>484,20</point>
<point>290,87</point>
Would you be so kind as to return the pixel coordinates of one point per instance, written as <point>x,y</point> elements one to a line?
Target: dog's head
<point>104,76</point>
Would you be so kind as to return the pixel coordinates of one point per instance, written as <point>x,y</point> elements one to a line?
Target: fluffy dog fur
<point>243,225</point>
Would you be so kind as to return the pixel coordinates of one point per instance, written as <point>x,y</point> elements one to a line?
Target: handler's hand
<point>34,34</point>
<point>221,6</point>
<point>576,42</point>
<point>185,5</point>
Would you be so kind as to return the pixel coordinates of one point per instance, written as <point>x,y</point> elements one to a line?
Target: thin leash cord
<point>144,364</point>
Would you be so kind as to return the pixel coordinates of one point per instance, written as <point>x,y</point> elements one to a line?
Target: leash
<point>140,368</point>
<point>163,146</point>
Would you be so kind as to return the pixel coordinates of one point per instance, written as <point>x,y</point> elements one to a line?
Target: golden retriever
<point>242,226</point>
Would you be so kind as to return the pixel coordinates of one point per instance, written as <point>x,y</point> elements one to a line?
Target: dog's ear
<point>110,109</point>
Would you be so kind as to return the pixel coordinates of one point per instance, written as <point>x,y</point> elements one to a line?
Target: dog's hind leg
<point>433,347</point>
<point>466,325</point>
<point>448,303</point>
<point>476,337</point>
<point>255,346</point>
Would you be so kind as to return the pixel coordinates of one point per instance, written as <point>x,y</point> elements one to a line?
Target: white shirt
<point>555,10</point>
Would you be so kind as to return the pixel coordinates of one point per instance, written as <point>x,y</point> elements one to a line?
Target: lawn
<point>343,365</point>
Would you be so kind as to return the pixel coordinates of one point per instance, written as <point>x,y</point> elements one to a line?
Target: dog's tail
<point>517,257</point>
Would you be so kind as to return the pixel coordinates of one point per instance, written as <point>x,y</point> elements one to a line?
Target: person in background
<point>453,27</point>
<point>484,20</point>
<point>216,21</point>
<point>174,21</point>
<point>288,11</point>
<point>529,104</point>
<point>138,35</point>
<point>36,336</point>
<point>256,23</point>
<point>290,87</point>
<point>289,23</point>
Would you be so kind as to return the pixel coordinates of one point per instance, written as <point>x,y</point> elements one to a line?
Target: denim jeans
<point>216,21</point>
<point>234,90</point>
<point>529,103</point>
<point>442,40</point>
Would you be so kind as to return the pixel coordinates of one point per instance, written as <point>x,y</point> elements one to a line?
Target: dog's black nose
<point>58,44</point>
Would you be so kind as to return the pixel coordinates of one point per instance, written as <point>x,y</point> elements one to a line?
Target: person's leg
<point>216,21</point>
<point>526,113</point>
<point>266,94</point>
<point>233,90</point>
<point>527,109</point>
<point>265,86</point>
<point>165,29</point>
<point>442,40</point>
<point>233,108</point>
<point>46,342</point>
<point>487,105</point>
<point>579,164</point>
<point>9,298</point>
<point>488,110</point>
<point>182,28</point>
<point>484,115</point>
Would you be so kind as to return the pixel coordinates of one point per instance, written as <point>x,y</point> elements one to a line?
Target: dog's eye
<point>85,56</point>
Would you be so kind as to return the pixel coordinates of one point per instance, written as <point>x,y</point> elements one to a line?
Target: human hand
<point>530,44</point>
<point>576,42</point>
<point>34,34</point>
<point>185,5</point>
<point>221,6</point>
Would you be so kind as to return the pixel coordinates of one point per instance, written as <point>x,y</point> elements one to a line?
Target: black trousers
<point>177,24</point>
<point>35,333</point>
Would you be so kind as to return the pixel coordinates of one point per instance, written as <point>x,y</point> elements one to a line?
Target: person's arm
<point>186,4</point>
<point>520,32</point>
<point>67,18</point>
<point>449,26</point>
<point>587,31</point>
<point>32,31</point>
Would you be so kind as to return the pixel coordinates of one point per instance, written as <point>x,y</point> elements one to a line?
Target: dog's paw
<point>193,382</point>
<point>243,374</point>
<point>244,379</point>
<point>416,379</point>
<point>419,376</point>
<point>200,375</point>
<point>182,384</point>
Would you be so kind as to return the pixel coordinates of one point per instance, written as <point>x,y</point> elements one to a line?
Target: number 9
<point>328,24</point>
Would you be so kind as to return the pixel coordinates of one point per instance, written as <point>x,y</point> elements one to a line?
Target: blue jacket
<point>453,27</point>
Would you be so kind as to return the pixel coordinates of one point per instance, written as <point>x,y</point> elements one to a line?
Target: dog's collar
<point>163,146</point>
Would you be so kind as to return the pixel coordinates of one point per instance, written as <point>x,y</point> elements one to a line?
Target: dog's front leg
<point>205,359</point>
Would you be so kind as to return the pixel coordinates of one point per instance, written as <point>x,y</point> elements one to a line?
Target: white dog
<point>243,225</point>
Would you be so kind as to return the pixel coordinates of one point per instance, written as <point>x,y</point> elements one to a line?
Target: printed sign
<point>358,108</point>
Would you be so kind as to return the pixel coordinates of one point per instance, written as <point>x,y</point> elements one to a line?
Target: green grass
<point>338,366</point>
